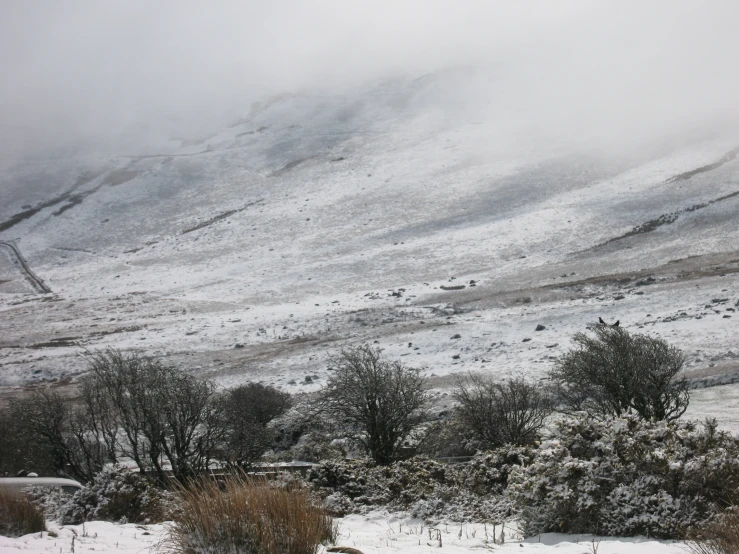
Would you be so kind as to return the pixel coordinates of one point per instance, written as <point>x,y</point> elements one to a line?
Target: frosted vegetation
<point>600,447</point>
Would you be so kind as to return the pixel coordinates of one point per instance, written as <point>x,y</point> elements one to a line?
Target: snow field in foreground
<point>375,533</point>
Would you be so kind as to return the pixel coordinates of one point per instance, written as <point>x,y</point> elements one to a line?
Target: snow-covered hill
<point>407,213</point>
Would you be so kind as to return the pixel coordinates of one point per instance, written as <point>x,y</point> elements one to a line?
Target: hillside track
<point>30,276</point>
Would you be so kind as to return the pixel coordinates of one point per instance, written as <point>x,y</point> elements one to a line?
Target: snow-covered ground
<point>317,221</point>
<point>721,403</point>
<point>375,533</point>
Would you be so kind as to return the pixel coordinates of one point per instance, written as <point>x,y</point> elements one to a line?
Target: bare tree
<point>140,408</point>
<point>615,372</point>
<point>185,403</point>
<point>21,450</point>
<point>95,425</point>
<point>42,415</point>
<point>65,429</point>
<point>498,413</point>
<point>163,413</point>
<point>381,401</point>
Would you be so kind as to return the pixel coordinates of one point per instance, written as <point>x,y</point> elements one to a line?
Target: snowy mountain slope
<point>287,233</point>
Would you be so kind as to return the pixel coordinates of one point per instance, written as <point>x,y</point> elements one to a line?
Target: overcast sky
<point>104,69</point>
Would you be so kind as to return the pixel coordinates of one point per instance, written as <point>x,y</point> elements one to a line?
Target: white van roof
<point>23,482</point>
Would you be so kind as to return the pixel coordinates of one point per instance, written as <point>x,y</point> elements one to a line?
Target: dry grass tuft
<point>721,537</point>
<point>18,515</point>
<point>248,516</point>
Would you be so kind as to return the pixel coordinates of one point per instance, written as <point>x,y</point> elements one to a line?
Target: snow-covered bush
<point>407,481</point>
<point>339,504</point>
<point>626,476</point>
<point>315,447</point>
<point>447,437</point>
<point>474,491</point>
<point>117,495</point>
<point>354,484</point>
<point>488,471</point>
<point>304,433</point>
<point>50,501</point>
<point>349,478</point>
<point>427,488</point>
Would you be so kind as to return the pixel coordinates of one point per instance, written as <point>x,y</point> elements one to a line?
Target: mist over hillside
<point>248,189</point>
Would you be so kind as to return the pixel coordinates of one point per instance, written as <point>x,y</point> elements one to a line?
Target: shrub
<point>244,515</point>
<point>350,478</point>
<point>426,488</point>
<point>489,471</point>
<point>245,413</point>
<point>382,402</point>
<point>363,484</point>
<point>447,437</point>
<point>50,501</point>
<point>315,446</point>
<point>627,477</point>
<point>615,373</point>
<point>19,515</point>
<point>257,403</point>
<point>719,537</point>
<point>306,433</point>
<point>509,412</point>
<point>117,495</point>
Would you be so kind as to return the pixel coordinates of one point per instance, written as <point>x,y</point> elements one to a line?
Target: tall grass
<point>247,516</point>
<point>720,537</point>
<point>18,515</point>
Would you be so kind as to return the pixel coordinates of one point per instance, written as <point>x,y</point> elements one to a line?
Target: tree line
<point>164,419</point>
<point>142,409</point>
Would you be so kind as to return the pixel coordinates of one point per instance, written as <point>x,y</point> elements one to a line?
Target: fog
<point>111,74</point>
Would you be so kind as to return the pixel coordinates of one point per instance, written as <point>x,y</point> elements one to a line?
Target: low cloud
<point>110,74</point>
